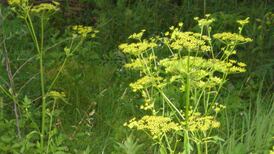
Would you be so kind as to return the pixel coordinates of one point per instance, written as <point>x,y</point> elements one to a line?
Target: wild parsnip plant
<point>180,90</point>
<point>49,97</point>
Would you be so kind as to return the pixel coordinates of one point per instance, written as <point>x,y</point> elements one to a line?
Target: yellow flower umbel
<point>201,70</point>
<point>243,22</point>
<point>139,47</point>
<point>23,8</point>
<point>20,7</point>
<point>46,7</point>
<point>145,82</point>
<point>206,21</point>
<point>156,126</point>
<point>138,63</point>
<point>218,107</point>
<point>17,2</point>
<point>57,95</point>
<point>188,41</point>
<point>198,122</point>
<point>233,38</point>
<point>85,31</point>
<point>148,105</point>
<point>137,36</point>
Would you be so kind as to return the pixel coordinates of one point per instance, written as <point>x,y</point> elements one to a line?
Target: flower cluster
<point>218,107</point>
<point>137,48</point>
<point>201,70</point>
<point>156,126</point>
<point>145,82</point>
<point>57,95</point>
<point>46,7</point>
<point>204,22</point>
<point>148,105</point>
<point>85,31</point>
<point>188,40</point>
<point>137,36</point>
<point>23,8</point>
<point>17,2</point>
<point>139,63</point>
<point>243,22</point>
<point>198,122</point>
<point>228,38</point>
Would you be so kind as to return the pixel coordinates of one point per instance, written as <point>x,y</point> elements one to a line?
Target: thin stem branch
<point>12,89</point>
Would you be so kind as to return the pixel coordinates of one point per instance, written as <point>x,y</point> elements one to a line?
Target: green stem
<point>171,104</point>
<point>199,148</point>
<point>39,50</point>
<point>32,31</point>
<point>58,74</point>
<point>42,85</point>
<point>187,99</point>
<point>168,144</point>
<point>5,92</point>
<point>206,148</point>
<point>50,124</point>
<point>218,90</point>
<point>63,64</point>
<point>204,7</point>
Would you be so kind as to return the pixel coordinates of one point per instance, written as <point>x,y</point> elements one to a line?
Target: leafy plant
<point>129,146</point>
<point>181,90</point>
<point>50,140</point>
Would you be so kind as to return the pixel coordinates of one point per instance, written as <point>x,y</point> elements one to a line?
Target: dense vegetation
<point>137,77</point>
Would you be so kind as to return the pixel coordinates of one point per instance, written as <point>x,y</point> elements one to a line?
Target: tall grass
<point>252,129</point>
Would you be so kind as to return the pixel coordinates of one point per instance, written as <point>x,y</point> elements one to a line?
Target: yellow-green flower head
<point>197,122</point>
<point>85,31</point>
<point>145,82</point>
<point>228,37</point>
<point>243,22</point>
<point>204,22</point>
<point>137,48</point>
<point>201,70</point>
<point>57,95</point>
<point>46,7</point>
<point>180,24</point>
<point>148,105</point>
<point>189,41</point>
<point>156,126</point>
<point>137,36</point>
<point>218,107</point>
<point>179,65</point>
<point>207,82</point>
<point>140,64</point>
<point>17,2</point>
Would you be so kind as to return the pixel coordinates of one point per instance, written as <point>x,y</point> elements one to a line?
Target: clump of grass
<point>250,130</point>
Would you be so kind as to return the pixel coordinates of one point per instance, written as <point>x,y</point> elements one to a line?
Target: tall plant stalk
<point>39,49</point>
<point>187,105</point>
<point>42,84</point>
